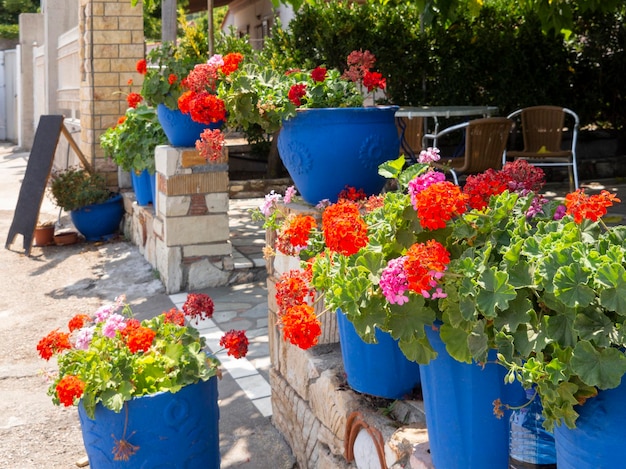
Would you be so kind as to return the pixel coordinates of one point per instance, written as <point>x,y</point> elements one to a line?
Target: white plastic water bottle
<point>530,445</point>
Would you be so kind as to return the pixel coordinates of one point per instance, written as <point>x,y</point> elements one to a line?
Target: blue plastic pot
<point>180,129</point>
<point>598,440</point>
<point>179,430</point>
<point>377,369</point>
<point>142,185</point>
<point>99,221</point>
<point>463,431</point>
<point>153,188</point>
<point>327,149</point>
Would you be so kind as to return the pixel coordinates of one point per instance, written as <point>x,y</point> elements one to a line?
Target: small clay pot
<point>66,238</point>
<point>44,235</point>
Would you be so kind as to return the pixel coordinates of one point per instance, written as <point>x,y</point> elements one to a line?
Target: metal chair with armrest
<point>542,130</point>
<point>485,145</point>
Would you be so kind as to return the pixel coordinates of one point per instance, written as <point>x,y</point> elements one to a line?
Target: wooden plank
<point>76,149</point>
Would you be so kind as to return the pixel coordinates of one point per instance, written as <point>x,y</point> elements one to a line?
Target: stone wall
<point>185,234</point>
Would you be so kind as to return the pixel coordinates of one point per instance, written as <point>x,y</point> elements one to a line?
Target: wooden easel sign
<point>36,178</point>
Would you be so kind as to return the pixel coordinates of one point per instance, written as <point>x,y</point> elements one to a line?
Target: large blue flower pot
<point>180,129</point>
<point>179,430</point>
<point>142,185</point>
<point>327,149</point>
<point>463,431</point>
<point>377,369</point>
<point>598,440</point>
<point>99,221</point>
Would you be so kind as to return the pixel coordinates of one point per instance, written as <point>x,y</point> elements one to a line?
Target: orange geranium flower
<point>293,288</point>
<point>140,339</point>
<point>69,388</point>
<point>582,206</point>
<point>425,264</point>
<point>77,322</point>
<point>53,343</point>
<point>301,326</point>
<point>439,203</point>
<point>345,231</point>
<point>294,234</point>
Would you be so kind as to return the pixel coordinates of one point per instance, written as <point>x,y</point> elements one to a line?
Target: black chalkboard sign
<point>35,180</point>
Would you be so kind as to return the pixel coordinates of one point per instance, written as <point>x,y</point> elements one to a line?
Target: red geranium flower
<point>198,306</point>
<point>296,93</point>
<point>236,343</point>
<point>319,74</point>
<point>133,99</point>
<point>142,66</point>
<point>174,316</point>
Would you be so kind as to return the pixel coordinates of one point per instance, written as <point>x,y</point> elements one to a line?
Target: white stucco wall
<point>255,18</point>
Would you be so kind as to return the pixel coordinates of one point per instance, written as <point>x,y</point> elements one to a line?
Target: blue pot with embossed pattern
<point>162,430</point>
<point>328,149</point>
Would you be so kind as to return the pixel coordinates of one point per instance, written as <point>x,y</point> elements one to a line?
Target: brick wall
<point>112,40</point>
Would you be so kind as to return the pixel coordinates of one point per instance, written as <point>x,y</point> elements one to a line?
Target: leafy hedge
<point>9,31</point>
<point>501,57</point>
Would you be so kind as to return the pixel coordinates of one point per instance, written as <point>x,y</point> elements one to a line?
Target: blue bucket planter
<point>170,430</point>
<point>180,129</point>
<point>463,431</point>
<point>377,369</point>
<point>99,221</point>
<point>598,440</point>
<point>142,185</point>
<point>327,149</point>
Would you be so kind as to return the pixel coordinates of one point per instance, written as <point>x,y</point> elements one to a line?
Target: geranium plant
<point>131,141</point>
<point>109,357</point>
<point>492,265</point>
<point>252,96</point>
<point>163,70</point>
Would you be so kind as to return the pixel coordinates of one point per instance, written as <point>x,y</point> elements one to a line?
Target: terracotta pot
<point>66,238</point>
<point>44,235</point>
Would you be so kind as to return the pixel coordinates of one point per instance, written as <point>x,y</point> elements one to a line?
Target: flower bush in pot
<point>131,142</point>
<point>111,364</point>
<point>313,106</point>
<point>95,210</point>
<point>493,266</point>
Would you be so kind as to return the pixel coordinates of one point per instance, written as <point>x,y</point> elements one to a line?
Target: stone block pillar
<point>111,40</point>
<point>192,247</point>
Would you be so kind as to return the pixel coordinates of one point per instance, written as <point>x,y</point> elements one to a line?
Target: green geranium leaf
<point>571,286</point>
<point>517,313</point>
<point>560,328</point>
<point>456,343</point>
<point>613,278</point>
<point>409,319</point>
<point>495,292</point>
<point>593,325</point>
<point>392,169</point>
<point>418,350</point>
<point>603,367</point>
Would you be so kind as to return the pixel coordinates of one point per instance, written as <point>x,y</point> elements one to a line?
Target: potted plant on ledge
<point>95,210</point>
<point>494,274</point>
<point>131,143</point>
<point>328,139</point>
<point>146,391</point>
